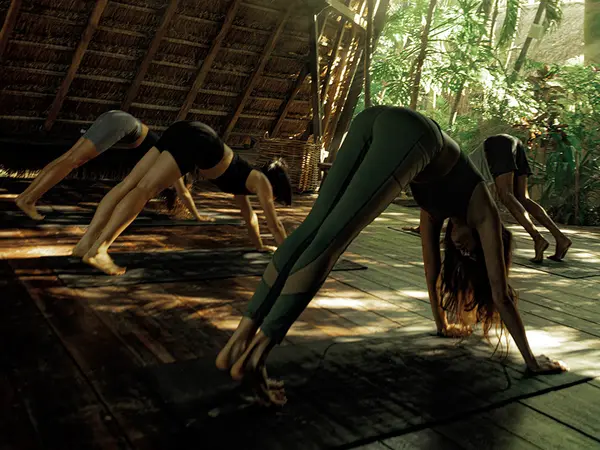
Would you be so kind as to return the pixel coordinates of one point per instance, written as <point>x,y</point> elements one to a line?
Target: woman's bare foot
<point>541,245</point>
<point>28,208</point>
<point>102,261</point>
<point>250,367</point>
<point>562,247</point>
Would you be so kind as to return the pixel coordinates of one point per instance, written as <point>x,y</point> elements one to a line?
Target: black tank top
<point>449,196</point>
<point>233,180</point>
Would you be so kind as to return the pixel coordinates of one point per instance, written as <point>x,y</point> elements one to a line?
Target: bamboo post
<point>75,63</point>
<point>264,57</point>
<point>314,78</point>
<point>206,64</point>
<point>291,96</point>
<point>9,23</point>
<point>368,49</point>
<point>145,65</point>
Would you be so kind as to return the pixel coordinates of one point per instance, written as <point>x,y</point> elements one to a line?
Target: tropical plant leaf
<point>511,22</point>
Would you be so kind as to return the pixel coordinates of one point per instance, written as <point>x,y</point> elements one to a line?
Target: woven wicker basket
<point>302,158</point>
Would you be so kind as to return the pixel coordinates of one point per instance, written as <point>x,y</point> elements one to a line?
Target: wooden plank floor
<point>131,366</point>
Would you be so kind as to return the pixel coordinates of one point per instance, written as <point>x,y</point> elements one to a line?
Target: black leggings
<point>386,147</point>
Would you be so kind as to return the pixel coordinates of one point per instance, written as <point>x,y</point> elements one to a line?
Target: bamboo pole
<point>75,63</point>
<point>206,64</point>
<point>266,54</point>
<point>291,96</point>
<point>9,23</point>
<point>317,111</point>
<point>368,49</point>
<point>145,65</point>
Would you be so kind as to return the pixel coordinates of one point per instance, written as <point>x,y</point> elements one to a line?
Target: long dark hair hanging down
<point>464,284</point>
<point>277,173</point>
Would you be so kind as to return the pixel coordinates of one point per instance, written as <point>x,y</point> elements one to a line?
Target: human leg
<point>563,243</point>
<point>388,166</point>
<point>163,173</point>
<point>112,199</point>
<point>504,186</point>
<point>347,162</point>
<point>53,173</point>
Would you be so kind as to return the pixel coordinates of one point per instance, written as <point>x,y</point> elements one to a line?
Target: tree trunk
<point>591,32</point>
<point>536,21</point>
<point>414,95</point>
<point>493,24</point>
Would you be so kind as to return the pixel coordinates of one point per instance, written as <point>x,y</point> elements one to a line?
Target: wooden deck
<point>131,365</point>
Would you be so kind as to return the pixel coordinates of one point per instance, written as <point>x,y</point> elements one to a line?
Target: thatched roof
<point>118,70</point>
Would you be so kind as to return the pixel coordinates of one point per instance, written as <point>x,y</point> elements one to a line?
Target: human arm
<point>486,219</point>
<point>251,220</point>
<point>264,192</point>
<point>430,242</point>
<point>186,197</point>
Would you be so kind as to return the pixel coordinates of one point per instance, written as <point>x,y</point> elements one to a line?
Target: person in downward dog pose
<point>110,128</point>
<point>506,158</point>
<point>387,148</point>
<point>185,147</point>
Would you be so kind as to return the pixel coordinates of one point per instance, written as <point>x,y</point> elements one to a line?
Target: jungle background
<point>482,67</point>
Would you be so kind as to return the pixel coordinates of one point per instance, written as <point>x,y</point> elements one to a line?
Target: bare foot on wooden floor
<point>562,247</point>
<point>103,262</point>
<point>541,245</point>
<point>28,208</point>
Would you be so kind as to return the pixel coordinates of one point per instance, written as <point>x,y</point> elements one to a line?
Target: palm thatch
<point>136,62</point>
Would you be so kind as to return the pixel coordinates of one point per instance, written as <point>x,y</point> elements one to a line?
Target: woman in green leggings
<point>386,148</point>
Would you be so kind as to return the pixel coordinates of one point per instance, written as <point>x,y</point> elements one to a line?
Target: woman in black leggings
<point>386,148</point>
<point>185,147</point>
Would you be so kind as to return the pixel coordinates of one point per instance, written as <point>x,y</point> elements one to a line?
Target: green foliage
<point>558,105</point>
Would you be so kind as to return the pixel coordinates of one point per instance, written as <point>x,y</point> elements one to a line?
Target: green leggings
<point>386,147</point>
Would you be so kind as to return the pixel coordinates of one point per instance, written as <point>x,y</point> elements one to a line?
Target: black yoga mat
<point>53,219</point>
<point>165,267</point>
<point>568,268</point>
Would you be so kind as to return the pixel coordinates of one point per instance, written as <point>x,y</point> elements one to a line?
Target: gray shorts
<point>112,127</point>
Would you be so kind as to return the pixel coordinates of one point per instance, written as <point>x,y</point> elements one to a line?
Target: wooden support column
<point>291,96</point>
<point>313,64</point>
<point>75,62</point>
<point>9,23</point>
<point>145,65</point>
<point>264,58</point>
<point>368,50</point>
<point>206,64</point>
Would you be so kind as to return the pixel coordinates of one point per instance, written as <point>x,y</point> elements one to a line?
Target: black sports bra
<point>233,180</point>
<point>450,195</point>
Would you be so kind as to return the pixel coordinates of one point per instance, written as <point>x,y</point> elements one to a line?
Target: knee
<point>148,188</point>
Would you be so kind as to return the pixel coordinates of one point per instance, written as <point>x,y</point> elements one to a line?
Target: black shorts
<point>194,145</point>
<point>505,154</point>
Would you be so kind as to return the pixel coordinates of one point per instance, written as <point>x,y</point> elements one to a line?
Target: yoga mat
<point>17,219</point>
<point>568,268</point>
<point>166,267</point>
<point>341,393</point>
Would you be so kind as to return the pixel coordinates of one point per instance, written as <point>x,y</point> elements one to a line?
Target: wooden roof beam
<point>346,12</point>
<point>9,23</point>
<point>145,65</point>
<point>75,63</point>
<point>206,64</point>
<point>259,69</point>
